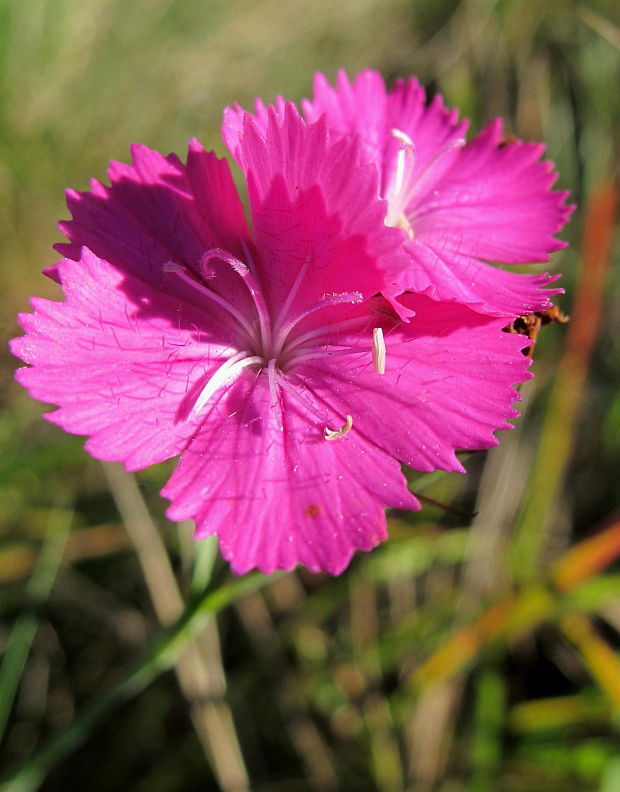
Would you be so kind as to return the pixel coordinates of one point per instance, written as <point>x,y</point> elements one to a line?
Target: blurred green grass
<point>434,663</point>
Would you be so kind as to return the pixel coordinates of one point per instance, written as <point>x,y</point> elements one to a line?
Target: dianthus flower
<point>267,359</point>
<point>460,204</point>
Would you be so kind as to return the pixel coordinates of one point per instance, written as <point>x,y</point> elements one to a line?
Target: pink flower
<point>460,204</point>
<point>266,359</point>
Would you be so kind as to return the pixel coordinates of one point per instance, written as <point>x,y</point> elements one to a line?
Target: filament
<point>427,169</point>
<point>227,372</point>
<point>271,377</point>
<point>316,353</point>
<point>181,272</point>
<point>327,331</point>
<point>286,386</point>
<point>292,293</point>
<point>405,184</point>
<point>327,301</point>
<point>252,286</point>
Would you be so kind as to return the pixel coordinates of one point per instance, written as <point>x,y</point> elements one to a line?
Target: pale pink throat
<point>407,179</point>
<point>275,345</point>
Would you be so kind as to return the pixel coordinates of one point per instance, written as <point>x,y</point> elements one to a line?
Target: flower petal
<point>233,123</point>
<point>317,219</point>
<point>124,362</point>
<point>364,108</point>
<point>276,492</point>
<point>448,383</point>
<point>447,275</point>
<point>358,108</point>
<point>494,203</point>
<point>462,204</point>
<point>157,210</point>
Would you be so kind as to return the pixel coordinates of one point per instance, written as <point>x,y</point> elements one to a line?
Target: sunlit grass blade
<point>585,560</point>
<point>515,615</point>
<point>206,552</point>
<point>487,733</point>
<point>162,656</point>
<point>557,714</point>
<point>199,670</point>
<point>600,659</point>
<point>557,436</point>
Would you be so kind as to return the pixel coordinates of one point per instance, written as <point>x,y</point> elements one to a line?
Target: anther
<point>378,350</point>
<point>335,434</point>
<point>401,185</point>
<point>402,136</point>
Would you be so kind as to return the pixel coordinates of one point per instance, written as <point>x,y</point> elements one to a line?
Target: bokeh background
<point>467,654</point>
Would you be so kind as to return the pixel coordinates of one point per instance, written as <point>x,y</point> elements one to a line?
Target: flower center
<point>275,345</point>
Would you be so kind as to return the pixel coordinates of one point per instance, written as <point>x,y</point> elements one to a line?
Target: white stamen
<point>403,179</point>
<point>325,333</point>
<point>182,273</point>
<point>326,301</point>
<point>271,378</point>
<point>283,315</point>
<point>335,434</point>
<point>405,156</point>
<point>402,188</point>
<point>251,284</point>
<point>402,136</point>
<point>227,372</point>
<point>378,350</point>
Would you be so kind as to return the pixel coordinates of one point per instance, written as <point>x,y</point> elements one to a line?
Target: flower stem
<point>162,656</point>
<point>199,669</point>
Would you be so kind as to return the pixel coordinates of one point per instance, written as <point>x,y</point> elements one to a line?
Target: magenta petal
<point>448,384</point>
<point>122,361</point>
<point>157,210</point>
<point>447,275</point>
<point>364,108</point>
<point>315,211</point>
<point>358,108</point>
<point>461,204</point>
<point>277,493</point>
<point>233,123</point>
<point>494,203</point>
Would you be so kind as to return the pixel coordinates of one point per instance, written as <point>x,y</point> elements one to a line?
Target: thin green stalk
<point>25,627</point>
<point>162,656</point>
<point>487,731</point>
<point>206,553</point>
<point>558,432</point>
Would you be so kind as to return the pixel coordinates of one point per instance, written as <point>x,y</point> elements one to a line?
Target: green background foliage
<point>465,654</point>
